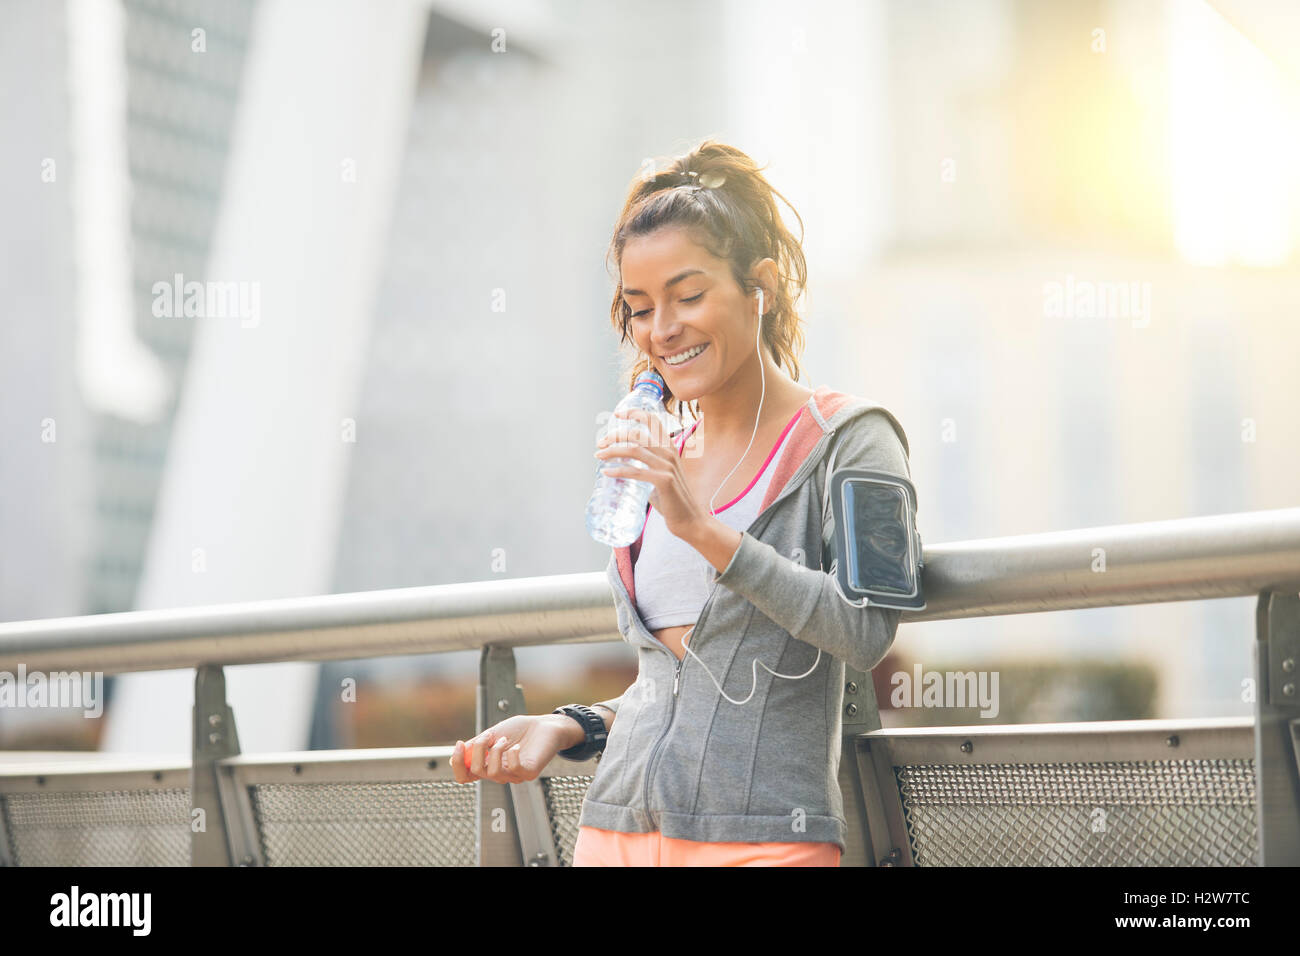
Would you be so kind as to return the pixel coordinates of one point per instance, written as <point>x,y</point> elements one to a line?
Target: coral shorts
<point>596,847</point>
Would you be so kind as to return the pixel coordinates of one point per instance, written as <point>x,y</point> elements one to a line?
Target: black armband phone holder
<point>876,549</point>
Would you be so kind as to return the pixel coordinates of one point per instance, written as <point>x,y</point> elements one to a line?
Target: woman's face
<point>683,299</point>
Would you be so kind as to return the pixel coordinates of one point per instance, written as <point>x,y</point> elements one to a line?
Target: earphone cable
<point>754,686</point>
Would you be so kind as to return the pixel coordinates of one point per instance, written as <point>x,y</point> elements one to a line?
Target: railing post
<point>1277,727</point>
<point>6,858</point>
<point>860,715</point>
<point>514,827</point>
<point>214,739</point>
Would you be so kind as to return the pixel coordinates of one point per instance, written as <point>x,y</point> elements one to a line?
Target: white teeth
<point>679,359</point>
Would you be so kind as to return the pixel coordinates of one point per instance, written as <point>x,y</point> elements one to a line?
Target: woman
<point>727,747</point>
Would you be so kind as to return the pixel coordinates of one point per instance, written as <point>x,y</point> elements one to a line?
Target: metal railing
<point>236,799</point>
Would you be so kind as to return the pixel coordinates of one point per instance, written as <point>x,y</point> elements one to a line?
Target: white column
<point>249,505</point>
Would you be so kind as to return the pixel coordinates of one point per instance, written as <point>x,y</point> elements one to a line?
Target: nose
<point>665,330</point>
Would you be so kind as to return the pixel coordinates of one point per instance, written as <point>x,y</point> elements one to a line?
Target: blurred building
<point>963,170</point>
<point>112,180</point>
<point>1090,257</point>
<point>100,476</point>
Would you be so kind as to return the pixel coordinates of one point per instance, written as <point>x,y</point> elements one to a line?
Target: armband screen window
<point>877,547</point>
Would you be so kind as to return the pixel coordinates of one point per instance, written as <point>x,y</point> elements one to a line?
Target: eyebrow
<point>684,274</point>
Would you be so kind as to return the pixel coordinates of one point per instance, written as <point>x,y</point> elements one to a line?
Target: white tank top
<point>671,578</point>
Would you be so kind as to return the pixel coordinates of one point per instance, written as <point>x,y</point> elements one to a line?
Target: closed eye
<point>694,298</point>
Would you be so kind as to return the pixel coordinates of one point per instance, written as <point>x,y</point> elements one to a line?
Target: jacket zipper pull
<point>676,674</point>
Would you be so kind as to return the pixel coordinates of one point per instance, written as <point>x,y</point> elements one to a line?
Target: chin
<point>688,391</point>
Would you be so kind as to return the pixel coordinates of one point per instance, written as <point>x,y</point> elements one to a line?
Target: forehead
<point>651,259</point>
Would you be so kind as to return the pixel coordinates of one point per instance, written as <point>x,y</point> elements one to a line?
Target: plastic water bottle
<point>616,510</point>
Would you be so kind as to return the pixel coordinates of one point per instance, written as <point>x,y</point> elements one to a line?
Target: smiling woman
<point>708,275</point>
<point>717,198</point>
<point>726,750</point>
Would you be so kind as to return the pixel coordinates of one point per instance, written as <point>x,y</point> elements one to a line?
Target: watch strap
<point>593,724</point>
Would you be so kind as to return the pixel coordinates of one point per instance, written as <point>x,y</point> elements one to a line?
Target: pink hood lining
<point>807,432</point>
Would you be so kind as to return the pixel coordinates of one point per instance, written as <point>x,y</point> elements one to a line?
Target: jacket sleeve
<point>805,601</point>
<point>612,704</point>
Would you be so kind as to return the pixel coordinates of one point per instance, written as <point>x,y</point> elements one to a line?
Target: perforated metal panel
<point>99,827</point>
<point>1140,813</point>
<point>366,824</point>
<point>564,806</point>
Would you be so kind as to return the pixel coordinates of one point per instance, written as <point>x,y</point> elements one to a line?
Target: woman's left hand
<point>671,498</point>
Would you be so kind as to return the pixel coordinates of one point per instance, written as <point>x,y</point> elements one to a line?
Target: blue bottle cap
<point>652,378</point>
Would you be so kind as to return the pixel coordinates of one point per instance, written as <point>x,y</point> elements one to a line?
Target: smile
<point>683,358</point>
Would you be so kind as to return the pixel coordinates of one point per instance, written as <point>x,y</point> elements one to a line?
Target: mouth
<point>684,358</point>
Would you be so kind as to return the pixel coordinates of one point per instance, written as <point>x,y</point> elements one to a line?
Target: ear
<point>764,275</point>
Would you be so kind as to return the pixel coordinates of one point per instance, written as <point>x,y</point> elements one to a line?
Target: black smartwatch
<point>593,724</point>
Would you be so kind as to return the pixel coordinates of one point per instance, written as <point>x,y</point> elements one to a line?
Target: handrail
<point>1186,559</point>
<point>1154,562</point>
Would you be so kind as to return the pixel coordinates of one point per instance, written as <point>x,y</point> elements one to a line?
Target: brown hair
<point>730,211</point>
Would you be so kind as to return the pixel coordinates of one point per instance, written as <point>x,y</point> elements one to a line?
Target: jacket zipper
<point>672,707</point>
<point>677,673</point>
<point>795,480</point>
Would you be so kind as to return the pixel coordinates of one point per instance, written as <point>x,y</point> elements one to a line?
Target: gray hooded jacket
<point>682,759</point>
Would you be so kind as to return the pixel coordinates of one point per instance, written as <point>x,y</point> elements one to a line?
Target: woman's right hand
<point>513,751</point>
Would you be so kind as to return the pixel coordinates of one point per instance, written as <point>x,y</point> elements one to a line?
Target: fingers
<point>651,456</point>
<point>512,768</point>
<point>492,761</point>
<point>467,757</point>
<point>634,474</point>
<point>640,449</point>
<point>475,763</point>
<point>651,476</point>
<point>636,424</point>
<point>487,756</point>
<point>460,762</point>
